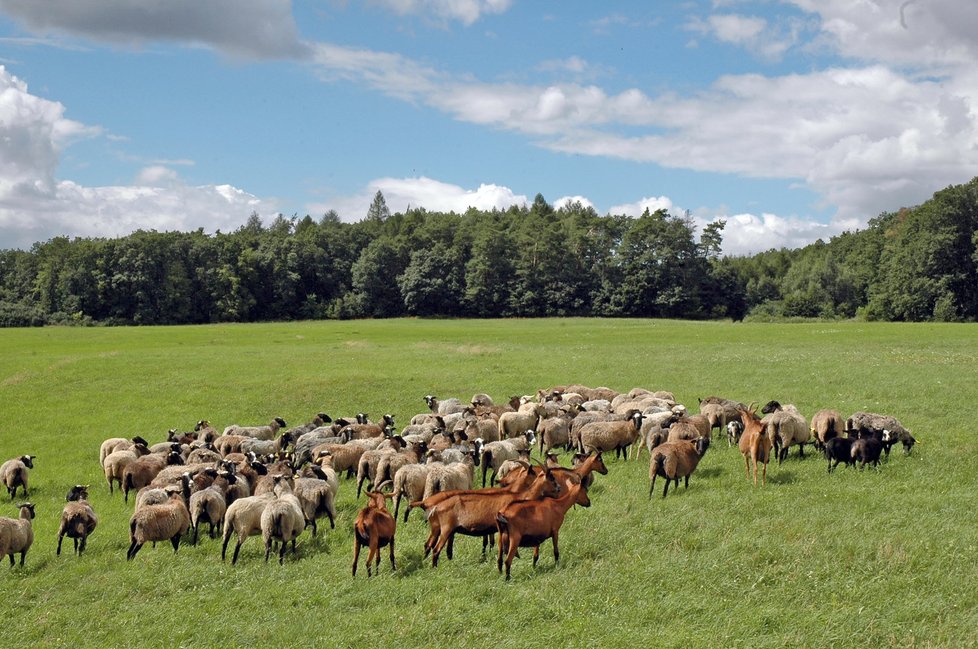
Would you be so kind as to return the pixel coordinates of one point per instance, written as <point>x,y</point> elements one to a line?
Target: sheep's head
<point>26,510</point>
<point>28,460</point>
<point>78,492</point>
<point>531,436</point>
<point>139,440</point>
<point>702,444</point>
<point>323,417</point>
<point>429,399</point>
<point>771,406</point>
<point>203,423</point>
<point>281,422</point>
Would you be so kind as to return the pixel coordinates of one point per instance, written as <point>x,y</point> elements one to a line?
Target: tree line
<point>527,261</point>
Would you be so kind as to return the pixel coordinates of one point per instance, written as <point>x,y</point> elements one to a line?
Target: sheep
<point>210,505</point>
<point>307,442</point>
<point>78,519</point>
<point>141,472</point>
<point>826,425</point>
<point>675,460</point>
<point>316,490</point>
<point>17,534</point>
<point>367,467</point>
<point>13,474</point>
<point>755,444</point>
<point>605,436</point>
<point>868,447</point>
<point>484,427</point>
<point>387,467</point>
<point>520,462</point>
<point>729,410</point>
<point>369,430</point>
<point>655,429</point>
<point>786,427</point>
<point>526,418</point>
<point>529,523</point>
<point>261,432</point>
<point>554,432</point>
<point>734,430</point>
<point>493,454</point>
<point>228,444</point>
<point>447,477</point>
<point>282,519</point>
<point>204,454</point>
<point>243,517</point>
<point>375,528</point>
<point>168,521</point>
<point>320,419</point>
<point>115,463</point>
<point>409,482</point>
<point>114,444</point>
<point>267,447</point>
<point>205,431</point>
<point>690,428</point>
<point>838,449</point>
<point>445,407</point>
<point>870,421</point>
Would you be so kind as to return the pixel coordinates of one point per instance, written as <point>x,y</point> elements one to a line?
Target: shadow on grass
<point>782,477</point>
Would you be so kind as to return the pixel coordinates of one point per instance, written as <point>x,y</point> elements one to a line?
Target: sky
<point>791,120</point>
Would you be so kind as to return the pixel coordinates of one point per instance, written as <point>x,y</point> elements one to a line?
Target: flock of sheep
<point>273,481</point>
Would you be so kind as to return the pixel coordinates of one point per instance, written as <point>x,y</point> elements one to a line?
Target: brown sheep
<point>827,424</point>
<point>675,460</point>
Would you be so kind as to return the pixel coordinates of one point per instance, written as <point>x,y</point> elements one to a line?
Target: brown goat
<point>374,528</point>
<point>755,445</point>
<point>528,523</point>
<point>473,513</point>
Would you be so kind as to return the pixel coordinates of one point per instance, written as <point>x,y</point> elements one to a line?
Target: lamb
<point>786,427</point>
<point>734,430</point>
<point>375,528</point>
<point>13,474</point>
<point>526,418</point>
<point>282,519</point>
<point>715,414</point>
<point>115,463</point>
<point>17,534</point>
<point>868,447</point>
<point>826,425</point>
<point>261,432</point>
<point>316,490</point>
<point>243,518</point>
<point>78,519</point>
<point>605,436</point>
<point>838,449</point>
<point>870,421</point>
<point>168,521</point>
<point>755,445</point>
<point>675,460</point>
<point>493,454</point>
<point>485,427</point>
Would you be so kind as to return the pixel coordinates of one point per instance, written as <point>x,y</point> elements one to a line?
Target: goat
<point>755,445</point>
<point>375,528</point>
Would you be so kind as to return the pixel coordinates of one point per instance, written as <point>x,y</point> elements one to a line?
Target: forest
<point>913,264</point>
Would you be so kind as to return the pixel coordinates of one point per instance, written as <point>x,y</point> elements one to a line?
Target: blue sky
<point>791,120</point>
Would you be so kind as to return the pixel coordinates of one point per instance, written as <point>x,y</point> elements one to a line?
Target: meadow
<point>882,558</point>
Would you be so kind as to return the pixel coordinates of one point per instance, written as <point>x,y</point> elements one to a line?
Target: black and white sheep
<point>14,474</point>
<point>876,423</point>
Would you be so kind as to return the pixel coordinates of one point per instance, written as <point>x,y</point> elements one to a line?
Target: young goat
<point>374,528</point>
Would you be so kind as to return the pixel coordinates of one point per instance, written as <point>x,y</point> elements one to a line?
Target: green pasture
<point>877,558</point>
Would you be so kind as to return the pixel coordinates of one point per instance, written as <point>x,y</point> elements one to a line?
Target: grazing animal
<point>78,519</point>
<point>755,445</point>
<point>167,521</point>
<point>17,534</point>
<point>838,449</point>
<point>282,519</point>
<point>675,460</point>
<point>826,425</point>
<point>374,528</point>
<point>529,523</point>
<point>13,474</point>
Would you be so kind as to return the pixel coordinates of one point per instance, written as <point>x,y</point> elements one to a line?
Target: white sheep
<point>606,436</point>
<point>243,518</point>
<point>17,534</point>
<point>446,477</point>
<point>316,490</point>
<point>409,483</point>
<point>493,454</point>
<point>261,432</point>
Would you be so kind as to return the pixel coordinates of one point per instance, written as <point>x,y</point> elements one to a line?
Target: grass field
<point>876,558</point>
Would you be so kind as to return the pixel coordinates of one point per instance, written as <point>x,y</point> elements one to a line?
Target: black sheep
<point>838,449</point>
<point>867,449</point>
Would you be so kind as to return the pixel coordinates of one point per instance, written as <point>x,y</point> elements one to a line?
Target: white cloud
<point>751,32</point>
<point>746,234</point>
<point>433,195</point>
<point>35,206</point>
<point>465,11</point>
<point>565,201</point>
<point>245,28</point>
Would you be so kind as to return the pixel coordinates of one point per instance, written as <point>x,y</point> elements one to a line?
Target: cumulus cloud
<point>637,208</point>
<point>403,193</point>
<point>244,28</point>
<point>465,11</point>
<point>746,234</point>
<point>754,33</point>
<point>35,206</point>
<point>565,201</point>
